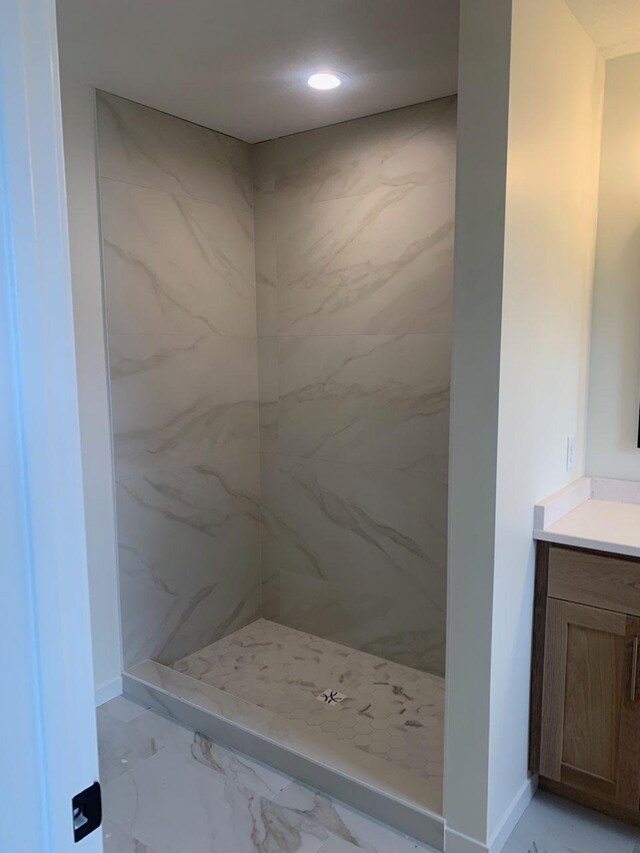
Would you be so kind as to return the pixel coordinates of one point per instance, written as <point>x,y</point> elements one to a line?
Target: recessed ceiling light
<point>324,80</point>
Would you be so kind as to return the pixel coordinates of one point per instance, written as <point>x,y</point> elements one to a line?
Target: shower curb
<point>243,727</point>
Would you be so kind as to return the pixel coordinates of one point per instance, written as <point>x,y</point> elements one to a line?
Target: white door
<point>47,718</point>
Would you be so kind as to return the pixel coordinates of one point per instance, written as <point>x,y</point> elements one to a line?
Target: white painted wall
<point>78,117</point>
<point>483,92</point>
<point>527,323</point>
<point>615,345</point>
<point>48,731</point>
<point>555,110</point>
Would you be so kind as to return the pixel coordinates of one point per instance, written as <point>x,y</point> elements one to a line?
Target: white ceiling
<point>240,66</point>
<point>614,25</point>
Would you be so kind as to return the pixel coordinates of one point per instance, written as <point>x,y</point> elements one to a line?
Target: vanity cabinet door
<point>590,735</point>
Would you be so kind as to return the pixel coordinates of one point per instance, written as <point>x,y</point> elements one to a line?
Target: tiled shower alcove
<point>278,321</point>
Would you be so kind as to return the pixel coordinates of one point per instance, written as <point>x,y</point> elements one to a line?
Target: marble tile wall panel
<point>178,397</point>
<point>411,146</point>
<point>354,239</point>
<point>350,276</point>
<point>268,385</point>
<point>361,553</point>
<point>179,256</point>
<point>188,558</point>
<point>143,146</point>
<point>266,276</point>
<point>176,264</point>
<point>267,317</point>
<point>366,398</point>
<point>379,263</point>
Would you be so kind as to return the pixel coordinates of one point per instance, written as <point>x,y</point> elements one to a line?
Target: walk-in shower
<point>279,326</point>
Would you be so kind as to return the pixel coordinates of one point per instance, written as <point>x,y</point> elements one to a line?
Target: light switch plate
<point>571,452</point>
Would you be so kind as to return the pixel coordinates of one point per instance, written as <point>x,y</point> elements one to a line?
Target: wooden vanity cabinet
<point>585,688</point>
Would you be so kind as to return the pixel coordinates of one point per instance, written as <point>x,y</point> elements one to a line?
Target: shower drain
<point>330,697</point>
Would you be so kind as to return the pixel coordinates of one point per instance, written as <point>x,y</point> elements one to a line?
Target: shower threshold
<point>360,728</point>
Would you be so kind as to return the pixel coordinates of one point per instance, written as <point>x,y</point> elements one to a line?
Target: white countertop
<point>595,513</point>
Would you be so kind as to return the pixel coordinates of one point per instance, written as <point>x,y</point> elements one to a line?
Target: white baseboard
<point>109,690</point>
<point>513,814</point>
<point>457,842</point>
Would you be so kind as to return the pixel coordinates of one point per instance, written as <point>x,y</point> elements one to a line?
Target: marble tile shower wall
<point>354,264</point>
<point>177,215</point>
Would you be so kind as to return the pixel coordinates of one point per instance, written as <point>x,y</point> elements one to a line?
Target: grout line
<point>248,208</point>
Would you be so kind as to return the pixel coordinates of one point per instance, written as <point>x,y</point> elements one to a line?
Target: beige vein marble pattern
<point>269,397</point>
<point>140,145</point>
<point>366,398</point>
<point>334,404</point>
<point>405,147</point>
<point>177,396</point>
<point>193,795</point>
<point>366,780</point>
<point>181,316</point>
<point>361,553</point>
<point>186,440</point>
<point>227,788</point>
<point>354,248</point>
<point>380,263</point>
<point>188,546</point>
<point>266,262</point>
<point>391,711</point>
<point>175,264</point>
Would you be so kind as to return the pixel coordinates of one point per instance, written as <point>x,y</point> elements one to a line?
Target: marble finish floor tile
<point>554,825</point>
<point>191,795</point>
<point>194,796</point>
<point>124,710</point>
<point>116,840</point>
<point>338,845</point>
<point>391,711</point>
<point>121,747</point>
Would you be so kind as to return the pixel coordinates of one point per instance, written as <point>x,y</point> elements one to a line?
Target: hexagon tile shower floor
<point>389,710</point>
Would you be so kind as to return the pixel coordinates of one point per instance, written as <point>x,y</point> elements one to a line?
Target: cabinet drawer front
<point>598,581</point>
